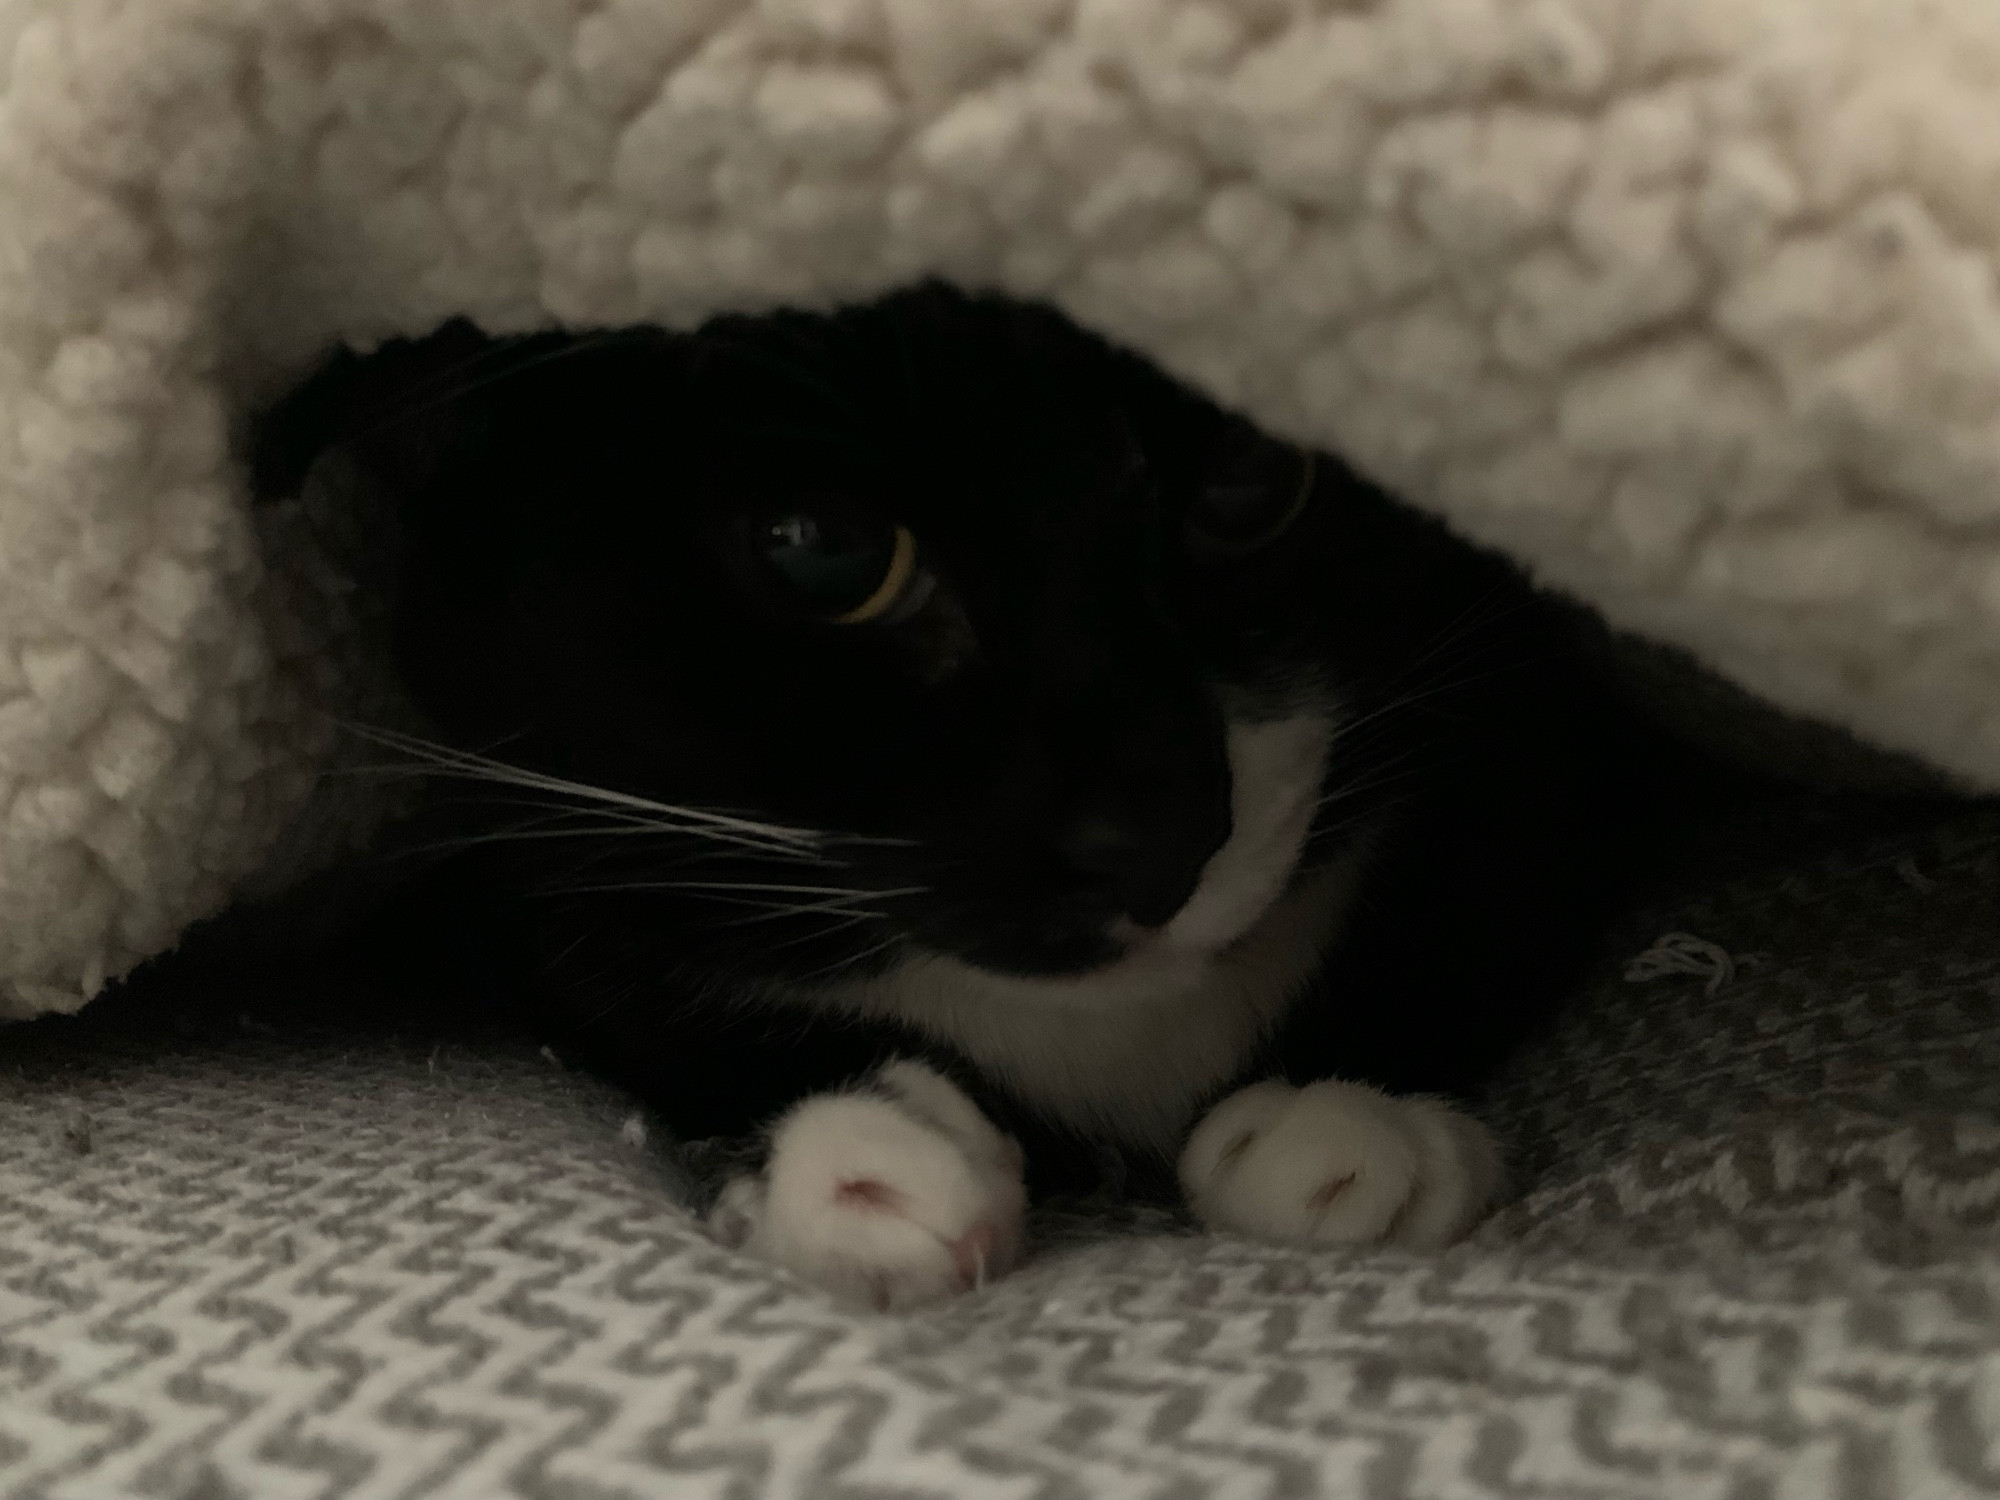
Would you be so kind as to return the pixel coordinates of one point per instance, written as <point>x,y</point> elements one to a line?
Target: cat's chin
<point>1197,941</point>
<point>1144,947</point>
<point>1129,1049</point>
<point>1276,767</point>
<point>1141,965</point>
<point>1121,949</point>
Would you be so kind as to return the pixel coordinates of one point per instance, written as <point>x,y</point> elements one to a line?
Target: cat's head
<point>935,625</point>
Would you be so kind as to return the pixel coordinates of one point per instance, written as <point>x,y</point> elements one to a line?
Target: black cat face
<point>948,603</point>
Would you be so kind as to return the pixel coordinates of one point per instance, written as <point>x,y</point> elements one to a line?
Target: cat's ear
<point>379,401</point>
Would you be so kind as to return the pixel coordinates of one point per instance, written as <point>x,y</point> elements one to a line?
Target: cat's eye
<point>846,570</point>
<point>1252,496</point>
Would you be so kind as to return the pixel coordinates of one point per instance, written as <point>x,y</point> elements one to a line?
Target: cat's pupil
<point>835,564</point>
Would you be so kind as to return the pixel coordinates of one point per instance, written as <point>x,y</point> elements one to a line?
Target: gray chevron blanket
<point>1693,306</point>
<point>1689,304</point>
<point>1758,1255</point>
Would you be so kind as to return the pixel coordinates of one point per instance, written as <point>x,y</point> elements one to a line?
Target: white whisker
<point>821,933</point>
<point>842,965</point>
<point>839,902</point>
<point>484,768</point>
<point>782,913</point>
<point>616,811</point>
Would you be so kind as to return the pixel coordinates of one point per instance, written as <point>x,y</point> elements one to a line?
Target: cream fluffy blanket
<point>1691,305</point>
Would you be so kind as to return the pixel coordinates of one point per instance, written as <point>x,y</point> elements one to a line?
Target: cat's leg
<point>893,1194</point>
<point>1340,1164</point>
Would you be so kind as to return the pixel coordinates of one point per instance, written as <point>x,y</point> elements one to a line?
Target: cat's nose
<point>1150,877</point>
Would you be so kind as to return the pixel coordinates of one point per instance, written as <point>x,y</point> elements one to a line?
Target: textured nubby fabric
<point>1689,304</point>
<point>1757,1254</point>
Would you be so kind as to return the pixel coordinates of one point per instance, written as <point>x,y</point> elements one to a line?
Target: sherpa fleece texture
<point>1689,304</point>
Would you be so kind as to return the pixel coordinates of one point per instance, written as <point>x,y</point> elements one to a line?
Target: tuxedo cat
<point>930,737</point>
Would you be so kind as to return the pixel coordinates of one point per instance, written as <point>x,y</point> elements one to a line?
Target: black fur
<point>1036,752</point>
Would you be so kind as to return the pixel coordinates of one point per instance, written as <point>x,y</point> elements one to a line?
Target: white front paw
<point>1340,1164</point>
<point>892,1196</point>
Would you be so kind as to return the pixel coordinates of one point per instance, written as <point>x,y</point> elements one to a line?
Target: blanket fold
<point>1693,306</point>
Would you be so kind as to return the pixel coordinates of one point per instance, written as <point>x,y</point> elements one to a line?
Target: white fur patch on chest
<point>1128,1050</point>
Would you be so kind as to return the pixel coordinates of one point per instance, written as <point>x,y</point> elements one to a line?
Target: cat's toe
<point>1340,1164</point>
<point>893,1196</point>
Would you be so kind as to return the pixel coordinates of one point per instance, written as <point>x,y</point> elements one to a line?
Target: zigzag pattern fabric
<point>1756,1257</point>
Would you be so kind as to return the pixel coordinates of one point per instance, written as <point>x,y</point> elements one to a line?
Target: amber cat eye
<point>847,571</point>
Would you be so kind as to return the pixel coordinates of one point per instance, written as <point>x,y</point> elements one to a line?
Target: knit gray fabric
<point>1755,1257</point>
